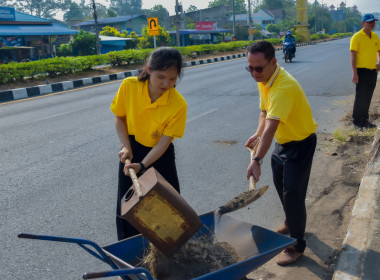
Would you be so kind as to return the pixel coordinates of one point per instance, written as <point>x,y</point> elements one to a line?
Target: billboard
<point>205,25</point>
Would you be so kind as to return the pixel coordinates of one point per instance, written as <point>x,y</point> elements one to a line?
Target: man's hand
<point>252,141</point>
<point>355,78</point>
<point>254,169</point>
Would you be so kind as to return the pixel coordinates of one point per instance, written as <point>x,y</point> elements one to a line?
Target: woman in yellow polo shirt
<point>149,114</point>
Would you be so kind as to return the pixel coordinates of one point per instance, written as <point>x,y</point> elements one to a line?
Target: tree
<point>111,13</point>
<point>240,7</point>
<point>146,41</point>
<point>40,8</point>
<point>84,43</point>
<point>3,3</point>
<point>65,50</point>
<point>126,7</point>
<point>191,8</point>
<point>74,13</point>
<point>273,28</point>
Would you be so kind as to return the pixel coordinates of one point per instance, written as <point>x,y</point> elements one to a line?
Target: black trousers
<point>291,166</point>
<point>363,96</point>
<point>165,165</point>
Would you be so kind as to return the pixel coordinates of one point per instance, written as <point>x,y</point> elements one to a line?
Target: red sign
<point>205,25</point>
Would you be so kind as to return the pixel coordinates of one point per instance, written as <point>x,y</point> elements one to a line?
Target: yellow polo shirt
<point>284,100</point>
<point>366,49</point>
<point>149,121</point>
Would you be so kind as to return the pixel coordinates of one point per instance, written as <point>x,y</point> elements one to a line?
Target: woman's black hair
<point>162,59</point>
<point>264,47</point>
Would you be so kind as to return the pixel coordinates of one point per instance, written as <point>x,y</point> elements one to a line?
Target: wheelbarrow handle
<point>119,272</point>
<point>97,251</point>
<point>135,181</point>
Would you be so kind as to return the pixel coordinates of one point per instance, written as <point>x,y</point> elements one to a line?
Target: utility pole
<point>315,16</point>
<point>322,17</point>
<point>345,16</point>
<point>96,28</point>
<point>233,18</point>
<point>177,23</point>
<point>249,14</point>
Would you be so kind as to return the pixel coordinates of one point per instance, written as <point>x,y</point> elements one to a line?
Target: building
<point>199,37</point>
<point>130,23</point>
<point>262,17</point>
<point>110,43</point>
<point>220,15</point>
<point>24,36</point>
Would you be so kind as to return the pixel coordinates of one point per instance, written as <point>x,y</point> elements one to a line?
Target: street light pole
<point>315,16</point>
<point>322,17</point>
<point>177,23</point>
<point>233,18</point>
<point>96,28</point>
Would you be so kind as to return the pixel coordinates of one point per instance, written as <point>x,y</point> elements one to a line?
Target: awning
<point>25,30</point>
<point>193,31</point>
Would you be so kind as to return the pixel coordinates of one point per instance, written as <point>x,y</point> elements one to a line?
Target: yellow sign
<point>153,26</point>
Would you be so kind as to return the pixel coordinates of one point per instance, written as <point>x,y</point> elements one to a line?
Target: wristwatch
<point>259,160</point>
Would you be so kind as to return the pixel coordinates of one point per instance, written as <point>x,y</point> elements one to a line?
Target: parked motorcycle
<point>288,52</point>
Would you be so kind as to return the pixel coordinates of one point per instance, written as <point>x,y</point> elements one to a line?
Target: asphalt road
<point>58,157</point>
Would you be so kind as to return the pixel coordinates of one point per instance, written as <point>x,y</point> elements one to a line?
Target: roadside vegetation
<point>59,66</point>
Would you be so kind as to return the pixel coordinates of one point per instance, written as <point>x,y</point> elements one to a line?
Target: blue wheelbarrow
<point>256,245</point>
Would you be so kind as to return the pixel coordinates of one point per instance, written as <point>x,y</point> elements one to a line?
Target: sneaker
<point>283,229</point>
<point>289,256</point>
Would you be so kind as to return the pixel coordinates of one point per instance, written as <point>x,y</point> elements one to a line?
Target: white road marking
<point>201,115</point>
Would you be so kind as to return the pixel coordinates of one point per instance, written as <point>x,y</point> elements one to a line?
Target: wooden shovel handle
<point>135,181</point>
<point>252,181</point>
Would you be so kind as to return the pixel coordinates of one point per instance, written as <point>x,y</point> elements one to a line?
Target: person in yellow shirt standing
<point>286,116</point>
<point>365,50</point>
<point>149,114</point>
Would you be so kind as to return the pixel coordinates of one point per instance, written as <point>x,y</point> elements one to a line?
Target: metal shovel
<point>245,198</point>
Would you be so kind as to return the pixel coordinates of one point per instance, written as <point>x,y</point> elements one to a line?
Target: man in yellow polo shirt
<point>365,50</point>
<point>286,116</point>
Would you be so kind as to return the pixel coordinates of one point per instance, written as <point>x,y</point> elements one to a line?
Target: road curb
<point>355,247</point>
<point>22,93</point>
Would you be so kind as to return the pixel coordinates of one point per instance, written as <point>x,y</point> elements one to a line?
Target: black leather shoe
<point>367,124</point>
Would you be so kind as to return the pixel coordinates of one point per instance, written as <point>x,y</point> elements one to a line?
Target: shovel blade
<point>242,200</point>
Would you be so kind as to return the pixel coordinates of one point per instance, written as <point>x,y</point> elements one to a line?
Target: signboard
<point>153,26</point>
<point>7,14</point>
<point>205,25</point>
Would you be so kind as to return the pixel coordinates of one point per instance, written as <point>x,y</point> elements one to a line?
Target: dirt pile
<point>195,258</point>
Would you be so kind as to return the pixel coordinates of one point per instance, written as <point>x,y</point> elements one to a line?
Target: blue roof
<point>25,17</point>
<point>25,30</point>
<point>110,20</point>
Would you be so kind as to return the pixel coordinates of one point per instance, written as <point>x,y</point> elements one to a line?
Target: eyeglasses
<point>257,69</point>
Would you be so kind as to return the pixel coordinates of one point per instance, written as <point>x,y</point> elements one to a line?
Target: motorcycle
<point>288,52</point>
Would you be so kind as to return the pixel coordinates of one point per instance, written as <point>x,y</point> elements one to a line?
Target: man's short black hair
<point>264,47</point>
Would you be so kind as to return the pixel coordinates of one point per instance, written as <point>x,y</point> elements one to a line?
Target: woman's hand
<point>134,166</point>
<point>125,154</point>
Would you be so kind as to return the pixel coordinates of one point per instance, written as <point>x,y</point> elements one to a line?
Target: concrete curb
<point>362,223</point>
<point>22,93</point>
